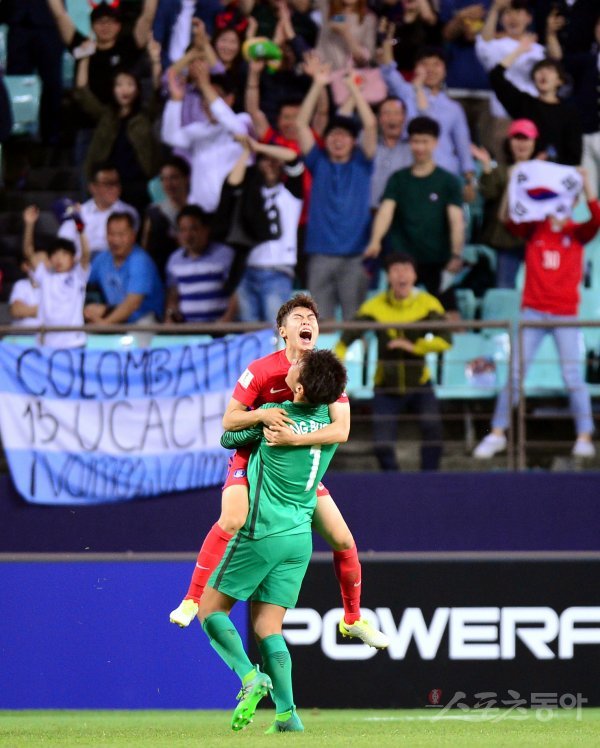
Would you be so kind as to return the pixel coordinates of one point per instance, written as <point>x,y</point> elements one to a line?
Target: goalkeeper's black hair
<point>323,377</point>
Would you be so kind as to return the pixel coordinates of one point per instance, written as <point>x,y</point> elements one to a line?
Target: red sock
<point>210,554</point>
<point>347,571</point>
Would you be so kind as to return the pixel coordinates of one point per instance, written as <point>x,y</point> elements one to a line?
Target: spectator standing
<point>339,215</point>
<point>413,24</point>
<point>270,203</point>
<point>422,209</point>
<point>197,273</point>
<point>467,80</point>
<point>426,96</point>
<point>109,51</point>
<point>585,71</point>
<point>553,272</point>
<point>348,33</point>
<point>493,181</point>
<point>34,46</point>
<point>159,231</point>
<point>209,142</point>
<point>515,19</point>
<point>61,279</point>
<point>402,380</point>
<point>557,121</point>
<point>393,152</point>
<point>124,132</point>
<point>577,33</point>
<point>105,189</point>
<point>172,25</point>
<point>127,278</point>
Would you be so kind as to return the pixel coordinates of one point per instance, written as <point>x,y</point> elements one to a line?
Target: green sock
<point>277,663</point>
<point>226,641</point>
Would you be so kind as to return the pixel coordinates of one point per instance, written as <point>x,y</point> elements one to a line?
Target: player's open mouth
<point>306,335</point>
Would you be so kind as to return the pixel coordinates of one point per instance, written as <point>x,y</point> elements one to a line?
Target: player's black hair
<point>323,377</point>
<point>423,126</point>
<point>194,211</point>
<point>399,258</point>
<point>300,300</point>
<point>121,216</point>
<point>179,163</point>
<point>65,244</point>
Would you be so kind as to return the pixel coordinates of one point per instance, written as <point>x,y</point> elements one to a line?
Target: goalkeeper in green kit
<point>267,560</point>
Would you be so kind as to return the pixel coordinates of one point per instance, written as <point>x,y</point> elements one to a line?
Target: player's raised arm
<point>238,417</point>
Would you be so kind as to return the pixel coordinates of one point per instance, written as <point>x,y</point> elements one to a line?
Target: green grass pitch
<point>328,728</point>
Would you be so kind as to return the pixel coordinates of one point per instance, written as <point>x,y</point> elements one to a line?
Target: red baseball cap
<point>524,127</point>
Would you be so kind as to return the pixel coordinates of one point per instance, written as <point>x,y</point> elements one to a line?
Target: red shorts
<point>237,472</point>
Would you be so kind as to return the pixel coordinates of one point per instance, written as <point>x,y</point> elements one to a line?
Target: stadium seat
<point>169,341</point>
<point>155,190</point>
<point>361,363</point>
<point>110,342</point>
<point>466,302</point>
<point>500,304</point>
<point>327,340</point>
<point>22,340</point>
<point>452,380</point>
<point>24,92</point>
<point>80,15</point>
<point>3,47</point>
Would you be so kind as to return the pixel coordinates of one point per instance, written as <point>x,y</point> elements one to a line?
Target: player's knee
<point>342,541</point>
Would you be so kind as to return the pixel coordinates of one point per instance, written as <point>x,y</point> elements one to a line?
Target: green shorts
<point>269,570</point>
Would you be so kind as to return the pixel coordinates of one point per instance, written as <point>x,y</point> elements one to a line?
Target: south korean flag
<point>539,189</point>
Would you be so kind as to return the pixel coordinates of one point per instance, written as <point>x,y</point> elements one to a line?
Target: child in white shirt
<point>62,280</point>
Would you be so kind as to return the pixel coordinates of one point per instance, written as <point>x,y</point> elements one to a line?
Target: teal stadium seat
<point>452,381</point>
<point>500,304</point>
<point>361,363</point>
<point>110,342</point>
<point>24,92</point>
<point>170,341</point>
<point>3,45</point>
<point>155,190</point>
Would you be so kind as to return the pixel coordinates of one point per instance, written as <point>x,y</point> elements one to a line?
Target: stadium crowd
<point>231,152</point>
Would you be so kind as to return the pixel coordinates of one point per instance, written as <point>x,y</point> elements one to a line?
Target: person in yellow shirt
<point>402,379</point>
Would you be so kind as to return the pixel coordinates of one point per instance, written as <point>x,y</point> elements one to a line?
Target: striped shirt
<point>200,282</point>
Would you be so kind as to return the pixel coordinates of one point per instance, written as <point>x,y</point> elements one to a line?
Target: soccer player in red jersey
<point>264,381</point>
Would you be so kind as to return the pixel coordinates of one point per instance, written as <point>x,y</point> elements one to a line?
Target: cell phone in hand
<point>339,18</point>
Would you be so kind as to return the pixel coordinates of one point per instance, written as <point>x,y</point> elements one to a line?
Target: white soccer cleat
<point>364,631</point>
<point>492,445</point>
<point>583,448</point>
<point>184,614</point>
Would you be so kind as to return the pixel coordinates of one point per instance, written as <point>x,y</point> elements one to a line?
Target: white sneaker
<point>583,448</point>
<point>364,631</point>
<point>490,446</point>
<point>184,613</point>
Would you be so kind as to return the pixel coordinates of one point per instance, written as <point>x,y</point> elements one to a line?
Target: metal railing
<point>516,437</point>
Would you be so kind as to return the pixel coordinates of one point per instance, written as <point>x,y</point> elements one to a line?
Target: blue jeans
<point>387,408</point>
<point>570,345</point>
<point>261,292</point>
<point>507,267</point>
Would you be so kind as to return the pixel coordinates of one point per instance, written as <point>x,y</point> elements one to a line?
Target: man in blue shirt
<point>339,214</point>
<point>127,277</point>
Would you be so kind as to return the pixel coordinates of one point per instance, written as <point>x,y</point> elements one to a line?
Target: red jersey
<point>554,262</point>
<point>264,382</point>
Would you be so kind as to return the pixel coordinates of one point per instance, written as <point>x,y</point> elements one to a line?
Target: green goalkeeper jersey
<point>283,480</point>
